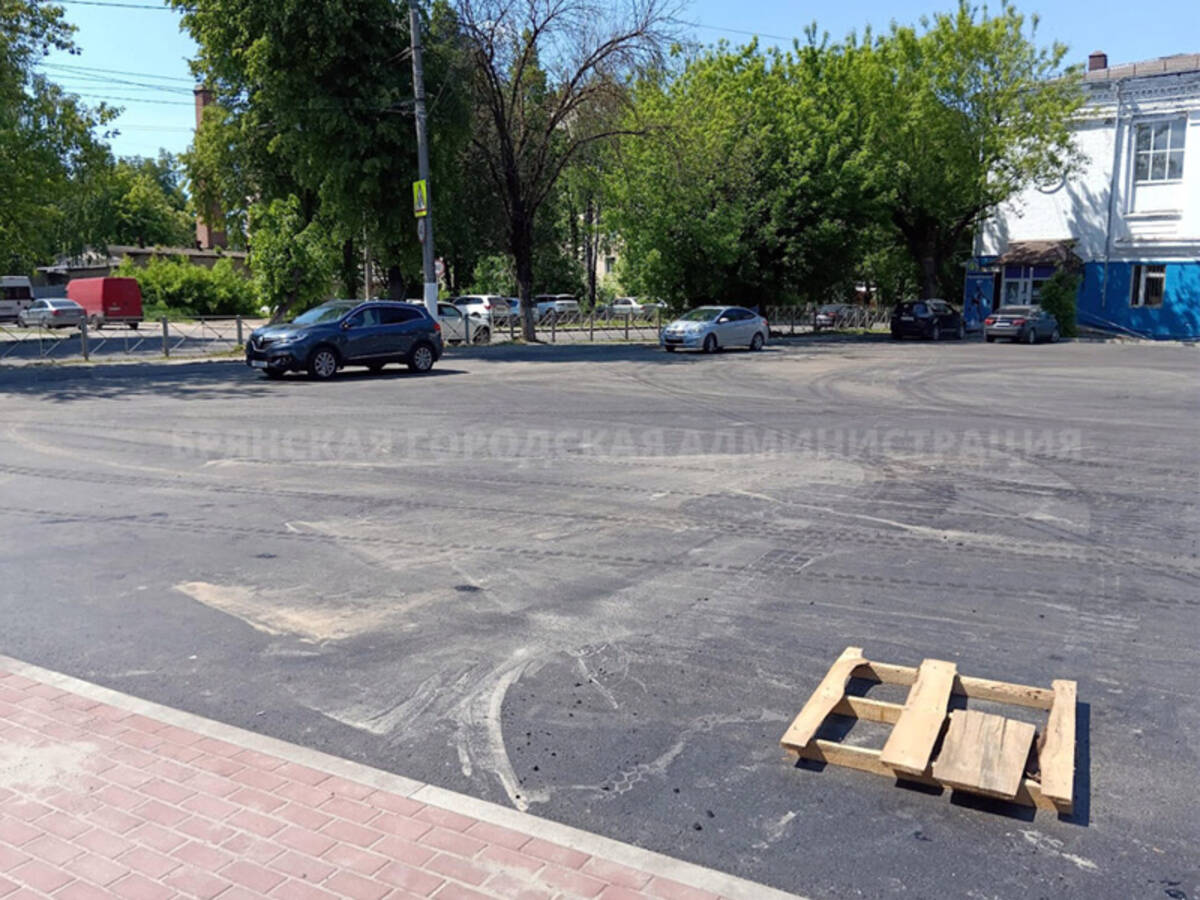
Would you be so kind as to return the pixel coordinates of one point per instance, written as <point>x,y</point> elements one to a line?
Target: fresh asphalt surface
<point>597,582</point>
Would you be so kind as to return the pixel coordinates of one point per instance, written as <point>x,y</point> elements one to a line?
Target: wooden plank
<point>985,754</point>
<point>827,695</point>
<point>964,685</point>
<point>1056,759</point>
<point>869,710</point>
<point>866,760</point>
<point>911,742</point>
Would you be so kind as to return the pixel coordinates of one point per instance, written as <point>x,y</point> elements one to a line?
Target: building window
<point>610,263</point>
<point>1158,150</point>
<point>1147,287</point>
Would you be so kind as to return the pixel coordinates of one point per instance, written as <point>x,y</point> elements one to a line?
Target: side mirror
<point>346,325</point>
<point>722,319</point>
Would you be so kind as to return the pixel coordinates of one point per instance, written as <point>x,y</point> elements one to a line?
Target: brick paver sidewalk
<point>104,795</point>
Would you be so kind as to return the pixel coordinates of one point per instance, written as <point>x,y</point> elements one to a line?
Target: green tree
<point>961,115</point>
<point>1059,293</point>
<point>292,256</point>
<point>306,107</point>
<point>749,186</point>
<point>47,142</point>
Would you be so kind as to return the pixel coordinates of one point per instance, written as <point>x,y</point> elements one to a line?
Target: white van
<point>16,293</point>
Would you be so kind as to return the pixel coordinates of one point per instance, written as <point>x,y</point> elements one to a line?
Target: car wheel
<point>422,358</point>
<point>756,342</point>
<point>961,334</point>
<point>935,333</point>
<point>1054,336</point>
<point>1030,336</point>
<point>710,344</point>
<point>896,336</point>
<point>133,325</point>
<point>323,363</point>
<point>668,348</point>
<point>275,374</point>
<point>375,368</point>
<point>990,338</point>
<point>482,336</point>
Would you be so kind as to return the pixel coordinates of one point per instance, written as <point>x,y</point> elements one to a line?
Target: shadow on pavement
<point>198,380</point>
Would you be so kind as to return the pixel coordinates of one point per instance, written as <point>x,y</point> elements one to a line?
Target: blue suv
<point>347,333</point>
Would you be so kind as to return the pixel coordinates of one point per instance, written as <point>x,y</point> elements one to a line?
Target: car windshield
<point>833,307</point>
<point>1015,310</point>
<point>469,300</point>
<point>702,314</point>
<point>326,312</point>
<point>62,304</point>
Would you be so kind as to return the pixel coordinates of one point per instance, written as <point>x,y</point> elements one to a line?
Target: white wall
<point>1159,221</point>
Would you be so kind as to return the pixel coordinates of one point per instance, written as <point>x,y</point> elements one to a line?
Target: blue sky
<point>146,46</point>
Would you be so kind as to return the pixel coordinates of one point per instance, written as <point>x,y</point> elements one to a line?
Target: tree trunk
<point>591,248</point>
<point>521,241</point>
<point>929,274</point>
<point>349,273</point>
<point>396,286</point>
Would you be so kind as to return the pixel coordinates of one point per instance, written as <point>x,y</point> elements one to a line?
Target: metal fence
<point>643,325</point>
<point>802,319</point>
<point>162,337</point>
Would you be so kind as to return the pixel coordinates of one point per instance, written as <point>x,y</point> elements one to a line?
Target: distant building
<point>96,263</point>
<point>1130,221</point>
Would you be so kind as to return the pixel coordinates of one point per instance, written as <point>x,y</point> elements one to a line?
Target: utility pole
<point>425,220</point>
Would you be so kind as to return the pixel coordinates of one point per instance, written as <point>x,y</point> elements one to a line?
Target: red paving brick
<point>149,809</point>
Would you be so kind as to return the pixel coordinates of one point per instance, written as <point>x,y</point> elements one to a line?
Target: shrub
<point>173,286</point>
<point>1058,298</point>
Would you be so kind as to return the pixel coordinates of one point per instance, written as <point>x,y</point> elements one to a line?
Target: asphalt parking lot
<point>598,582</point>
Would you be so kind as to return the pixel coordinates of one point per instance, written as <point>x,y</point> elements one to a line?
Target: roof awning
<point>1040,253</point>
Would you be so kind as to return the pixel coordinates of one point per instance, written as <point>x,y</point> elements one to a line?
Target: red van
<point>108,300</point>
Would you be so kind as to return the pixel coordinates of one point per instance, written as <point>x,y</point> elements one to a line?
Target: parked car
<point>509,309</point>
<point>343,333</point>
<point>831,315</point>
<point>53,312</point>
<point>930,319</point>
<point>482,307</point>
<point>1027,324</point>
<point>455,325</point>
<point>108,300</point>
<point>623,306</point>
<point>555,306</point>
<point>16,295</point>
<point>712,328</point>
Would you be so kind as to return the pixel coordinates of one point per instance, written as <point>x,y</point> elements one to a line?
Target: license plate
<point>906,318</point>
<point>258,363</point>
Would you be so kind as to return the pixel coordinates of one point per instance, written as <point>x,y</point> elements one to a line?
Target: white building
<point>1130,219</point>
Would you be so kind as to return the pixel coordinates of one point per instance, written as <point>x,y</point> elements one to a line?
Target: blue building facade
<point>1129,222</point>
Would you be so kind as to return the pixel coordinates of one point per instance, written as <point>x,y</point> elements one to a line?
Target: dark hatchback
<point>930,319</point>
<point>347,333</point>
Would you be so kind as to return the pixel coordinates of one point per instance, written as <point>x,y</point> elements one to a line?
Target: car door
<point>726,328</point>
<point>453,327</point>
<point>744,321</point>
<point>35,313</point>
<point>361,334</point>
<point>399,327</point>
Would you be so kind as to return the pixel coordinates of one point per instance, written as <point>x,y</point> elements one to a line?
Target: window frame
<point>1151,152</point>
<point>1143,272</point>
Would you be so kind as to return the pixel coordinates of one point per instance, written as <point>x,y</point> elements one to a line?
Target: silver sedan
<point>56,312</point>
<point>713,328</point>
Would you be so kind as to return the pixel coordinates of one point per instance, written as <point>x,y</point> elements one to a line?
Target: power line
<point>116,5</point>
<point>66,67</point>
<point>739,31</point>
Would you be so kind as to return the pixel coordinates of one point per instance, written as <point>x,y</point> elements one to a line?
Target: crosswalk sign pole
<point>421,188</point>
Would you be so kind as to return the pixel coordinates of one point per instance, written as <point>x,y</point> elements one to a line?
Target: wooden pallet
<point>978,752</point>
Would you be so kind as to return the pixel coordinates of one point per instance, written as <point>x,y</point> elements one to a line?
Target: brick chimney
<point>1097,61</point>
<point>207,237</point>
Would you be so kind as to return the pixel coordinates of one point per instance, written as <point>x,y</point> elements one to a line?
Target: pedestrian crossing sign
<point>420,198</point>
